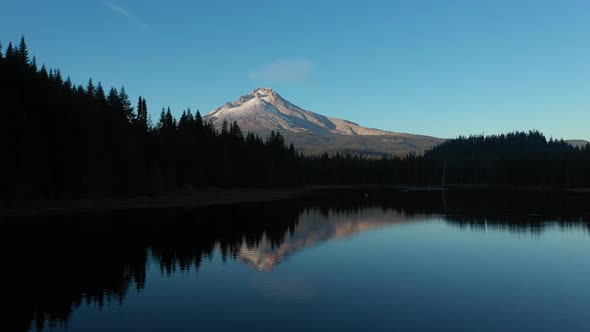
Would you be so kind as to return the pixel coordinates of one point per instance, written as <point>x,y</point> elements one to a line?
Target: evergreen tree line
<point>62,140</point>
<point>514,159</point>
<point>519,158</point>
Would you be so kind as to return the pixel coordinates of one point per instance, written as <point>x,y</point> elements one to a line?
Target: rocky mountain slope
<point>264,110</point>
<point>578,142</point>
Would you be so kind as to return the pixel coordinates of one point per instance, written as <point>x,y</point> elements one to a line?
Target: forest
<point>64,140</point>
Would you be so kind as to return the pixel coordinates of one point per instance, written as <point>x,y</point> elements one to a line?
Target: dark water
<point>391,261</point>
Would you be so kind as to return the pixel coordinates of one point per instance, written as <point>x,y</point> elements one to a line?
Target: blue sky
<point>442,68</point>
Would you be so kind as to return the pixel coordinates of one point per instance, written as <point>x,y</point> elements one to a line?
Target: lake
<point>340,260</point>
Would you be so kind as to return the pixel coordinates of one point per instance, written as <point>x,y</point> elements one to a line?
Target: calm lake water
<point>338,261</point>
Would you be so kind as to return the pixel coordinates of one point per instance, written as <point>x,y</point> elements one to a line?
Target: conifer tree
<point>67,84</point>
<point>23,52</point>
<point>199,123</point>
<point>59,80</point>
<point>170,121</point>
<point>90,89</point>
<point>162,121</point>
<point>145,111</point>
<point>10,53</point>
<point>43,73</point>
<point>139,106</point>
<point>126,108</point>
<point>99,96</point>
<point>236,133</point>
<point>113,102</point>
<point>224,129</point>
<point>183,123</point>
<point>139,110</point>
<point>142,114</point>
<point>190,118</point>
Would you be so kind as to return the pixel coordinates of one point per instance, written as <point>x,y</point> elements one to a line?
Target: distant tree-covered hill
<point>513,159</point>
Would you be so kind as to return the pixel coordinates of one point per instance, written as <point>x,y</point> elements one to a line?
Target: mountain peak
<point>263,91</point>
<point>267,94</point>
<point>264,110</point>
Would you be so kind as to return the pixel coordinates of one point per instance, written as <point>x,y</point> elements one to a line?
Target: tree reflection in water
<point>54,264</point>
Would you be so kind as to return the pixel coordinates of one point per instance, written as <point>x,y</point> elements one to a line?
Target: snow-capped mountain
<point>264,110</point>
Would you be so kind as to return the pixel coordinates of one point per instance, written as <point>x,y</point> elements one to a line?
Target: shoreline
<point>516,188</point>
<point>198,198</point>
<point>222,196</point>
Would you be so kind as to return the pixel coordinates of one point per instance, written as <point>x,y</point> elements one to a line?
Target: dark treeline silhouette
<point>515,159</point>
<point>55,264</point>
<point>65,140</point>
<point>62,140</point>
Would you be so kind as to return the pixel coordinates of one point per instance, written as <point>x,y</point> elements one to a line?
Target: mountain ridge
<point>578,142</point>
<point>269,108</point>
<point>264,110</point>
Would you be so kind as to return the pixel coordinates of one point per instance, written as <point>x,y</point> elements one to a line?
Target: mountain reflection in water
<point>314,227</point>
<point>57,263</point>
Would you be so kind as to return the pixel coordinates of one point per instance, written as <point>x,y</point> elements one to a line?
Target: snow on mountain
<point>264,110</point>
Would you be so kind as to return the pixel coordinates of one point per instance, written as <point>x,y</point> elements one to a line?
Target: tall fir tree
<point>142,116</point>
<point>99,96</point>
<point>145,112</point>
<point>23,52</point>
<point>199,123</point>
<point>10,53</point>
<point>59,80</point>
<point>126,107</point>
<point>224,128</point>
<point>90,89</point>
<point>113,101</point>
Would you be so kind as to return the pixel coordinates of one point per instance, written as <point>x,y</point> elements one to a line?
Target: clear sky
<point>442,68</point>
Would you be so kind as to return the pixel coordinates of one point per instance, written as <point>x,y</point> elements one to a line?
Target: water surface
<point>348,261</point>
